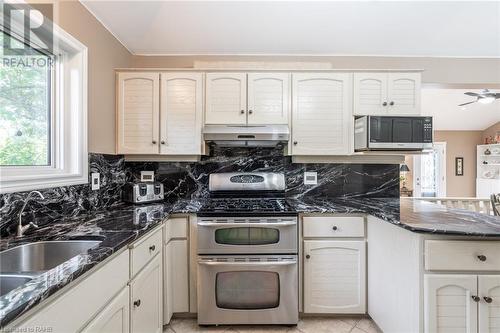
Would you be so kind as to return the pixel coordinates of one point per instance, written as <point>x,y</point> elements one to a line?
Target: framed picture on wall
<point>459,166</point>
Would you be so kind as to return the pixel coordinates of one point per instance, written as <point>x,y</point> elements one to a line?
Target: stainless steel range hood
<point>246,136</point>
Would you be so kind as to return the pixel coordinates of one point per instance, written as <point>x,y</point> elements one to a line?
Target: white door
<point>322,118</point>
<point>334,276</point>
<point>449,304</point>
<point>226,98</point>
<point>146,299</point>
<point>489,306</point>
<point>430,172</point>
<point>181,113</point>
<point>370,93</point>
<point>114,318</point>
<point>403,91</point>
<point>268,98</point>
<point>138,113</point>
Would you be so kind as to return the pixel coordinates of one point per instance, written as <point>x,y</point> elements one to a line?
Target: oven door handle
<point>271,224</point>
<point>258,263</point>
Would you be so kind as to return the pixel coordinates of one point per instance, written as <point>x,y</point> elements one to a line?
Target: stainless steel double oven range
<point>247,252</point>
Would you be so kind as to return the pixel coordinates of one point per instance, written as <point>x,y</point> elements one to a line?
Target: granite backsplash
<point>189,180</point>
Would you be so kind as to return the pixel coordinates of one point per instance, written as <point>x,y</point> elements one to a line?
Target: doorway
<point>429,176</point>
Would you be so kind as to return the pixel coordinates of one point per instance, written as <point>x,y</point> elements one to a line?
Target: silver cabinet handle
<point>215,224</point>
<point>257,263</point>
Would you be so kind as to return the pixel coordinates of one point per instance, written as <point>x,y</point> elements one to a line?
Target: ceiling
<point>393,28</point>
<point>442,104</point>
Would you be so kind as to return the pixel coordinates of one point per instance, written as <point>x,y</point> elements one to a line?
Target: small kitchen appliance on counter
<point>143,192</point>
<point>247,252</point>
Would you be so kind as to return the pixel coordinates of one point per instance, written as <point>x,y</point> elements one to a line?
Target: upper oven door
<point>247,235</point>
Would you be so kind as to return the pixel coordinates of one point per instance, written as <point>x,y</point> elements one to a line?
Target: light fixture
<point>487,100</point>
<point>404,168</point>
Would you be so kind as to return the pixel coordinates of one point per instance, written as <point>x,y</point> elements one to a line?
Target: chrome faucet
<point>20,228</point>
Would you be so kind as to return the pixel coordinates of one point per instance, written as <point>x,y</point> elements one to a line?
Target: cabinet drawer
<point>144,250</point>
<point>176,227</point>
<point>462,255</point>
<point>333,226</point>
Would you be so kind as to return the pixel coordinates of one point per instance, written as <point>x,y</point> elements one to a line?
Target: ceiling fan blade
<point>472,94</point>
<point>467,103</point>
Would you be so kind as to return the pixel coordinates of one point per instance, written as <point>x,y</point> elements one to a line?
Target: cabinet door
<point>226,101</point>
<point>146,299</point>
<point>322,118</point>
<point>179,259</point>
<point>181,113</point>
<point>334,277</point>
<point>404,93</point>
<point>167,283</point>
<point>489,305</point>
<point>138,113</point>
<point>268,98</point>
<point>114,318</point>
<point>370,93</point>
<point>448,303</point>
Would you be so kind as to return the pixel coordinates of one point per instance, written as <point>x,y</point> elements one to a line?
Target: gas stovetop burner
<point>238,206</point>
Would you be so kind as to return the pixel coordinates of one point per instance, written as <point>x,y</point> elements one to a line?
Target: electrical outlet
<point>310,178</point>
<point>95,179</point>
<point>147,176</point>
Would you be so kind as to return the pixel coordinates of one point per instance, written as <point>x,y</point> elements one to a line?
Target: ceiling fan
<point>484,97</point>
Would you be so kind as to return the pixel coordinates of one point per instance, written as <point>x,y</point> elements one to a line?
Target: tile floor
<point>306,325</point>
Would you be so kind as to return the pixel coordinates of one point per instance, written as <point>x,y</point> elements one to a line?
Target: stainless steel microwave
<point>392,133</point>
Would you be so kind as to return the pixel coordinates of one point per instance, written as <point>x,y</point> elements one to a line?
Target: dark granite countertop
<point>119,226</point>
<point>414,215</point>
<point>116,228</point>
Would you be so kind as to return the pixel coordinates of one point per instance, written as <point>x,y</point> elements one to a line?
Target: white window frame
<point>69,154</point>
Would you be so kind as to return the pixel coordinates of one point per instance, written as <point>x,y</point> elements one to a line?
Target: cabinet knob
<point>162,142</point>
<point>295,143</point>
<point>153,142</point>
<point>137,303</point>
<point>475,298</point>
<point>391,103</point>
<point>242,111</point>
<point>384,104</point>
<point>152,248</point>
<point>488,299</point>
<point>481,257</point>
<point>250,111</point>
<point>334,228</point>
<point>308,256</point>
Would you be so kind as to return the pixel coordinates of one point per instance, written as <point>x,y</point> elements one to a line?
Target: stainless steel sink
<point>11,282</point>
<point>42,256</point>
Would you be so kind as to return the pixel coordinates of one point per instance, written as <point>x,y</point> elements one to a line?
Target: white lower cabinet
<point>462,303</point>
<point>489,304</point>
<point>334,276</point>
<point>146,299</point>
<point>114,318</point>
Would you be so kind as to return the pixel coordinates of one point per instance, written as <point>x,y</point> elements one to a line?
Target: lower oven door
<point>247,235</point>
<point>247,290</point>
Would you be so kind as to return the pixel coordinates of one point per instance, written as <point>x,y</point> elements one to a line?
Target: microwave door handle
<point>215,224</point>
<point>245,264</point>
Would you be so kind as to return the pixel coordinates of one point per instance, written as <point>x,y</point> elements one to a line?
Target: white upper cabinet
<point>226,98</point>
<point>403,90</point>
<point>181,115</point>
<point>370,93</point>
<point>449,303</point>
<point>268,98</point>
<point>138,113</point>
<point>489,305</point>
<point>322,116</point>
<point>387,93</point>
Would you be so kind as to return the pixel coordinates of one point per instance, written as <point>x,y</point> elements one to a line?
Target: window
<point>43,109</point>
<point>25,110</point>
